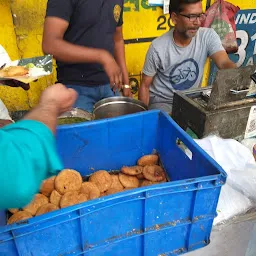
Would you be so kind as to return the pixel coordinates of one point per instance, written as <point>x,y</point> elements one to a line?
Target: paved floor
<point>238,239</point>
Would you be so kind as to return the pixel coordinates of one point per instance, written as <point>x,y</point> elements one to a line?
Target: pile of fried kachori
<point>67,188</point>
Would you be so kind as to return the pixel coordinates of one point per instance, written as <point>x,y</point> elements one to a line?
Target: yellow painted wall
<point>21,27</point>
<point>14,98</point>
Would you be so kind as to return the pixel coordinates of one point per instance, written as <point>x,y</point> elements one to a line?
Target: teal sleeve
<point>28,156</point>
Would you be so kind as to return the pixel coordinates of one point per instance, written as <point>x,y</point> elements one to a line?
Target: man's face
<point>188,21</point>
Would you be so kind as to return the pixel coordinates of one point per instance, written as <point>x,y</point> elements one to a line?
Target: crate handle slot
<point>184,148</point>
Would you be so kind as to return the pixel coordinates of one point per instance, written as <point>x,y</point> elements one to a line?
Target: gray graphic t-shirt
<point>178,68</point>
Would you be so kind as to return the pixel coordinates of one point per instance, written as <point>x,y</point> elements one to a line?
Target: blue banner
<point>246,37</point>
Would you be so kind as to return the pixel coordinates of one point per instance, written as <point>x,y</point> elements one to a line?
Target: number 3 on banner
<point>244,37</point>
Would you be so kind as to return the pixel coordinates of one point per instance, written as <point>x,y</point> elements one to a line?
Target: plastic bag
<point>4,57</point>
<point>221,17</point>
<point>238,195</point>
<point>4,114</point>
<point>249,143</point>
<point>231,203</point>
<point>244,180</point>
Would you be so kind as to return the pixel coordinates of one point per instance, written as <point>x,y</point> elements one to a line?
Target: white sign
<point>251,124</point>
<point>156,2</point>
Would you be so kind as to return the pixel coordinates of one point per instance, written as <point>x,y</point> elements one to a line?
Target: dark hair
<point>177,5</point>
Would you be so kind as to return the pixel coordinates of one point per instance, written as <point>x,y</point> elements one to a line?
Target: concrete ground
<point>237,239</point>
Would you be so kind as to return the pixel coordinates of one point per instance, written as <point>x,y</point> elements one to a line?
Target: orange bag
<point>221,17</point>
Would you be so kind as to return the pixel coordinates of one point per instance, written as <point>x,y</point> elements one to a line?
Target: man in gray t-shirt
<point>175,60</point>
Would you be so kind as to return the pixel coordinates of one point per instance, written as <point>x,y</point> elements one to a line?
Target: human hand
<point>113,71</point>
<point>59,96</point>
<point>127,92</point>
<point>15,83</point>
<point>4,122</point>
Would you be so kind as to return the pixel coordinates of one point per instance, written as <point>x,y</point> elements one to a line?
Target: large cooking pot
<point>70,117</point>
<point>117,106</point>
<point>75,115</point>
<point>77,112</point>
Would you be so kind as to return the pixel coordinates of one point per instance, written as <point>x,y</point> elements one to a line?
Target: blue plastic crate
<point>165,219</point>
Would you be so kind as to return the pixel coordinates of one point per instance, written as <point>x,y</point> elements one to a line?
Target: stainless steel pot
<point>117,106</point>
<point>77,112</point>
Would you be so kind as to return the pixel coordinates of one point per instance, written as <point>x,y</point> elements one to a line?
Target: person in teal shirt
<point>28,152</point>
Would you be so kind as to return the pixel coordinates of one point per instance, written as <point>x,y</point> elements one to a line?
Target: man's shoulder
<point>206,32</point>
<point>162,40</point>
